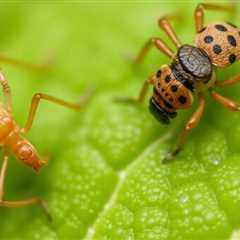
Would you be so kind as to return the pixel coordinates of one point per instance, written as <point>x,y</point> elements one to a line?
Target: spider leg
<point>6,92</point>
<point>191,124</point>
<point>157,43</point>
<point>26,203</point>
<point>3,175</point>
<point>21,64</point>
<point>22,203</point>
<point>228,82</point>
<point>225,102</point>
<point>141,96</point>
<point>39,96</point>
<point>201,7</point>
<point>165,25</point>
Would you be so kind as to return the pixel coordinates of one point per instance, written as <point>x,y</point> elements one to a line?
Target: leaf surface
<point>105,179</point>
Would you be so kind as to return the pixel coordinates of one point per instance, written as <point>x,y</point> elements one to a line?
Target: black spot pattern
<point>182,99</point>
<point>208,39</point>
<point>232,41</point>
<point>217,49</point>
<point>158,74</point>
<point>232,58</point>
<point>163,89</point>
<point>174,88</point>
<point>221,28</point>
<point>167,79</point>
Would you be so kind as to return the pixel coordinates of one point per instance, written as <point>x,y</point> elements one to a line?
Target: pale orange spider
<point>12,139</point>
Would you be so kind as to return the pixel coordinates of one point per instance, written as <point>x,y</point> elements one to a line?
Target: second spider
<point>192,70</point>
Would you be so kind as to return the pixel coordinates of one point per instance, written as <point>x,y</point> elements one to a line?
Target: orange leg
<point>22,203</point>
<point>29,66</point>
<point>191,124</point>
<point>225,102</point>
<point>3,174</point>
<point>199,12</point>
<point>228,82</point>
<point>6,92</point>
<point>166,27</point>
<point>26,203</point>
<point>154,42</point>
<point>38,96</point>
<point>141,96</point>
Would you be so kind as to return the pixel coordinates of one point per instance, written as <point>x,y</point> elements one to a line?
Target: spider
<point>191,71</point>
<point>12,139</point>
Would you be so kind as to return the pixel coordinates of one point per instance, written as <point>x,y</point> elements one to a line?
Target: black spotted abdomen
<point>173,92</point>
<point>221,42</point>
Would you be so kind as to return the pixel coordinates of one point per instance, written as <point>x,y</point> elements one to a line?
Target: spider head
<point>195,62</point>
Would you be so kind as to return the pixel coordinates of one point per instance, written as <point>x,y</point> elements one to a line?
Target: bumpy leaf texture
<point>105,179</point>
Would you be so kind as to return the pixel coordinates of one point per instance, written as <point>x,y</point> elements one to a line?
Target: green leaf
<point>105,179</point>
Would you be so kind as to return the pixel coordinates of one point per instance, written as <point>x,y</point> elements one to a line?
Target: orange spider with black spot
<point>191,70</point>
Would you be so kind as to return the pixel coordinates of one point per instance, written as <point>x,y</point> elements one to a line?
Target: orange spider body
<point>12,141</point>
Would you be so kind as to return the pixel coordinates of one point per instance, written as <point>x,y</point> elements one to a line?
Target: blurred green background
<point>105,179</point>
